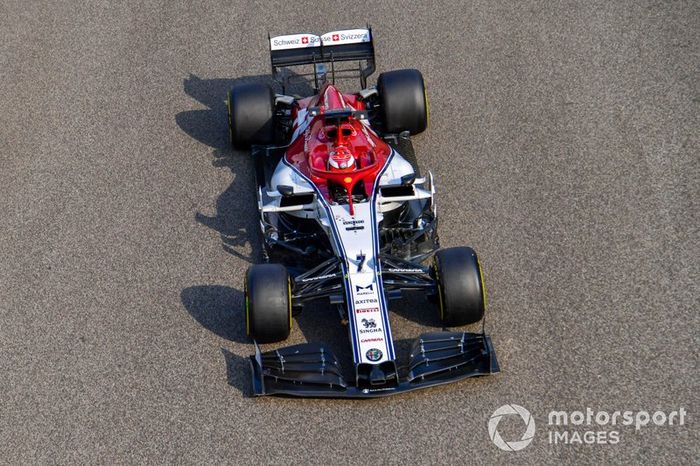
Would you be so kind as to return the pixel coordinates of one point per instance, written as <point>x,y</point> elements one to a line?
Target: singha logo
<point>369,323</point>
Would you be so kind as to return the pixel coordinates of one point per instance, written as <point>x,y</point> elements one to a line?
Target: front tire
<point>461,292</point>
<point>268,303</point>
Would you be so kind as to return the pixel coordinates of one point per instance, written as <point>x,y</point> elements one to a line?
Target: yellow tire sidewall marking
<point>483,284</point>
<point>437,279</point>
<point>427,105</point>
<point>230,118</point>
<point>289,295</point>
<point>247,307</point>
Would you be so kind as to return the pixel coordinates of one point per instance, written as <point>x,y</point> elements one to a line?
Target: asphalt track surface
<point>564,141</point>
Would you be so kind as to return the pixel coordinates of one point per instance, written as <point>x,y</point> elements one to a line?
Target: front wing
<point>311,370</point>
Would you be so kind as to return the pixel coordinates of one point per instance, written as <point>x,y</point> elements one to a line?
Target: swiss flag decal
<point>336,37</point>
<point>304,40</point>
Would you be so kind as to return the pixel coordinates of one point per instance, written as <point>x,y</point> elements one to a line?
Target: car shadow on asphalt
<point>236,218</point>
<point>218,308</point>
<point>238,372</point>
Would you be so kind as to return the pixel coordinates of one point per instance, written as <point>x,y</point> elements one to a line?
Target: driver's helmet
<point>340,159</point>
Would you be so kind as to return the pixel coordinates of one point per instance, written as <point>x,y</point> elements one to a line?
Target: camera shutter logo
<point>507,410</point>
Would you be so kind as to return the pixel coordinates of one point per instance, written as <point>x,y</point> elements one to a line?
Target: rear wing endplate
<point>331,47</point>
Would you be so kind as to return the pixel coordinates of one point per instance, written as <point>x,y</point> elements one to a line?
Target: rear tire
<point>404,103</point>
<point>461,292</point>
<point>251,111</point>
<point>268,303</point>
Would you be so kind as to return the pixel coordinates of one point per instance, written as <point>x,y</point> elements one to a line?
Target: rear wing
<point>331,47</point>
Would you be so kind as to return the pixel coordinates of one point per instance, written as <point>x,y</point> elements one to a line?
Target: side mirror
<point>407,180</point>
<point>285,190</point>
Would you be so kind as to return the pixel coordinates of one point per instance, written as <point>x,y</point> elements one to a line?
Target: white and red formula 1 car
<point>347,218</point>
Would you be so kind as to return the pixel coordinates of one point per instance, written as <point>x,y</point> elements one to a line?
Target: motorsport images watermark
<point>587,427</point>
<point>507,410</point>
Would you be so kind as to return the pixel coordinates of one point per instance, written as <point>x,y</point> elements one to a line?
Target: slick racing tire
<point>403,100</point>
<point>251,111</point>
<point>460,282</point>
<point>268,303</point>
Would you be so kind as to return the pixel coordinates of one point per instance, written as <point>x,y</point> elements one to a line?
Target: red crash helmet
<point>341,159</point>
